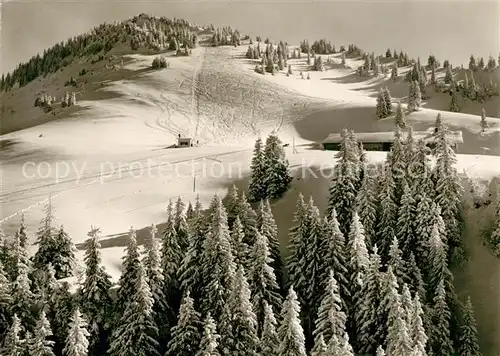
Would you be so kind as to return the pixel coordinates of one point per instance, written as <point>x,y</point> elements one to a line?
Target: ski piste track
<point>195,101</point>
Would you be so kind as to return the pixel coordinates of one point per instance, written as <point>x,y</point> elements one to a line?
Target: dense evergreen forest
<point>369,276</point>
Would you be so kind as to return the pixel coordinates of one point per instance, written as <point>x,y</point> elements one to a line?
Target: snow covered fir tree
<point>270,177</point>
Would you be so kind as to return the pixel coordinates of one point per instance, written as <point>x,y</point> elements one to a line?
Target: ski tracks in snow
<point>195,101</point>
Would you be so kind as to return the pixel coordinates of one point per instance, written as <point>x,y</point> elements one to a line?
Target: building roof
<point>377,137</point>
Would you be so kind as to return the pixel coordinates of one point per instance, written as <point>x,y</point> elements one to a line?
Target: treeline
<point>369,276</point>
<point>273,57</point>
<point>140,31</point>
<point>226,36</point>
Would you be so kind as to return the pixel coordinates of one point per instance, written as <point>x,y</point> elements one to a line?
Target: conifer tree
<point>472,63</point>
<point>420,172</point>
<point>232,205</point>
<point>185,336</point>
<point>218,266</point>
<point>239,325</point>
<point>469,345</point>
<point>23,235</point>
<point>153,268</point>
<point>331,319</point>
<point>406,304</point>
<point>388,214</point>
<point>180,224</point>
<point>454,107</point>
<point>239,247</point>
<point>209,345</point>
<point>297,242</point>
<point>398,165</point>
<point>448,187</point>
<point>94,297</point>
<point>267,226</point>
<point>257,186</point>
<point>437,264</point>
<point>494,236</point>
<point>396,262</point>
<point>409,152</point>
<point>414,97</point>
<point>16,256</point>
<point>5,300</point>
<point>171,259</point>
<point>416,328</point>
<point>136,333</point>
<point>357,264</point>
<point>77,342</point>
<point>433,75</point>
<point>190,269</point>
<point>248,218</point>
<point>406,221</point>
<point>39,343</point>
<point>304,260</point>
<point>366,206</point>
<point>269,341</point>
<point>484,123</point>
<point>61,310</point>
<point>318,64</point>
<point>480,64</point>
<point>398,339</point>
<point>47,246</point>
<point>394,73</point>
<point>48,290</point>
<point>439,333</point>
<point>381,108</point>
<point>262,280</point>
<point>400,117</point>
<point>448,77</point>
<point>319,348</point>
<point>334,347</point>
<point>423,228</point>
<point>334,257</point>
<point>128,278</point>
<point>414,277</point>
<point>64,260</point>
<point>290,333</point>
<point>13,344</point>
<point>314,262</point>
<point>277,176</point>
<point>344,185</point>
<point>371,329</point>
<point>422,84</point>
<point>397,336</point>
<point>390,302</point>
<point>189,212</point>
<point>387,100</point>
<point>23,299</point>
<point>4,250</point>
<point>345,346</point>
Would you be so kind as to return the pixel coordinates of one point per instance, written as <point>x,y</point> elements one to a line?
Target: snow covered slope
<point>108,162</point>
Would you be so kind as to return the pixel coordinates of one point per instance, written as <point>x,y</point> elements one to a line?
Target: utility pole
<point>194,182</point>
<point>293,145</point>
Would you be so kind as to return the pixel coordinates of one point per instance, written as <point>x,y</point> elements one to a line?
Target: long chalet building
<point>382,141</point>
